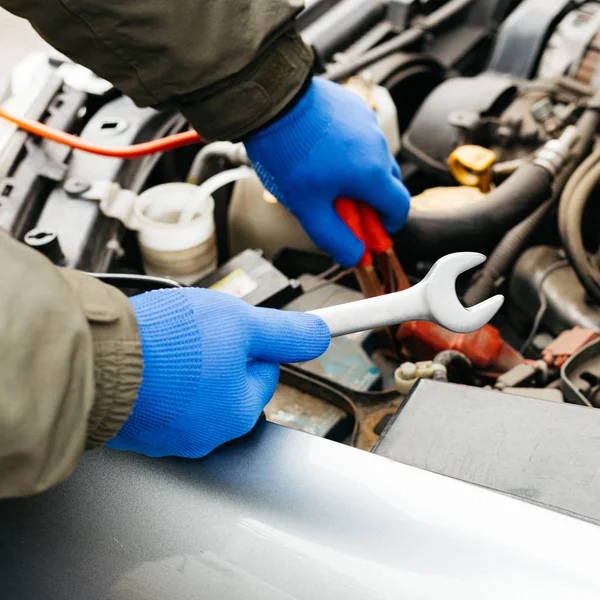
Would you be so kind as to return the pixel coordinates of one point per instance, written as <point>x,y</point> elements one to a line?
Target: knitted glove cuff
<point>171,351</point>
<point>290,140</point>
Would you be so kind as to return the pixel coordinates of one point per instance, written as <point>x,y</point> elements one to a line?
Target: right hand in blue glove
<point>326,147</point>
<point>211,364</point>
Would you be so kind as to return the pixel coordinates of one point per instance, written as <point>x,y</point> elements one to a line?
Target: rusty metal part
<point>293,408</point>
<point>371,418</point>
<point>588,69</point>
<point>367,408</point>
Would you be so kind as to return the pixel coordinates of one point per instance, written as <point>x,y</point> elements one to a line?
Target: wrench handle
<point>373,313</point>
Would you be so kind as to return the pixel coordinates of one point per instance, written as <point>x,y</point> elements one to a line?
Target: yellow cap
<point>471,165</point>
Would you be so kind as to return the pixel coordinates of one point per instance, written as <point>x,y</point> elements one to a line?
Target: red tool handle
<point>378,240</point>
<point>365,224</point>
<point>350,214</point>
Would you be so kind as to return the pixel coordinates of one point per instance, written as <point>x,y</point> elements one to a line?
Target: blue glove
<point>211,363</point>
<point>329,146</point>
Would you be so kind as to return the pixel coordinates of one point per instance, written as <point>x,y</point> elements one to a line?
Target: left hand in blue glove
<point>326,147</point>
<point>211,363</point>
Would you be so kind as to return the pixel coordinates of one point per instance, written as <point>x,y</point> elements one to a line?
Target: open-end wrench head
<point>442,299</point>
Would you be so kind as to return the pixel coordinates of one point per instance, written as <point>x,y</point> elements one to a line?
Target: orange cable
<point>170,142</point>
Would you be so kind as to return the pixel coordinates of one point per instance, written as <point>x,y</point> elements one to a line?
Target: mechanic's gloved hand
<point>211,363</point>
<point>329,146</point>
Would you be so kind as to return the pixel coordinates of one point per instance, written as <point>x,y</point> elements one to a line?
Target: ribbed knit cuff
<point>171,349</point>
<point>290,140</point>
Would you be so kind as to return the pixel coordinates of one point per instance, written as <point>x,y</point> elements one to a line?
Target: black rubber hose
<point>505,254</point>
<point>582,170</point>
<point>511,246</point>
<point>479,225</point>
<point>458,366</point>
<point>404,39</point>
<point>574,198</point>
<point>587,125</point>
<point>571,212</point>
<point>345,22</point>
<point>515,241</point>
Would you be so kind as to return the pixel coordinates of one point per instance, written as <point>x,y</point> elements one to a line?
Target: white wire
<point>210,186</point>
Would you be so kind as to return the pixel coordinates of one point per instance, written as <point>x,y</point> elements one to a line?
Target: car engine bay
<point>491,108</point>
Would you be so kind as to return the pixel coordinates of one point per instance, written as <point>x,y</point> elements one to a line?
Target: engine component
<point>480,224</point>
<point>523,375</point>
<point>580,376</point>
<point>550,39</point>
<point>576,198</point>
<point>566,344</point>
<point>567,50</point>
<point>477,18</point>
<point>569,148</point>
<point>253,279</point>
<point>174,222</point>
<point>446,198</point>
<point>566,301</point>
<point>256,220</point>
<point>459,368</point>
<point>341,25</point>
<point>31,170</point>
<point>509,117</point>
<point>454,106</point>
<point>588,70</point>
<point>347,363</point>
<point>89,240</point>
<point>485,348</point>
<point>522,36</point>
<point>476,225</point>
<point>471,165</point>
<point>408,373</point>
<point>505,254</point>
<point>185,251</point>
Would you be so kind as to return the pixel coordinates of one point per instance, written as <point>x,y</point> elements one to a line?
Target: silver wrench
<point>433,299</point>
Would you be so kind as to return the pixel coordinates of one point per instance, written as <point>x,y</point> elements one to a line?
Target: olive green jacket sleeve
<point>70,368</point>
<point>230,66</point>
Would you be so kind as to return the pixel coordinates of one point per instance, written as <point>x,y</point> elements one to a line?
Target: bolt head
<point>75,187</point>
